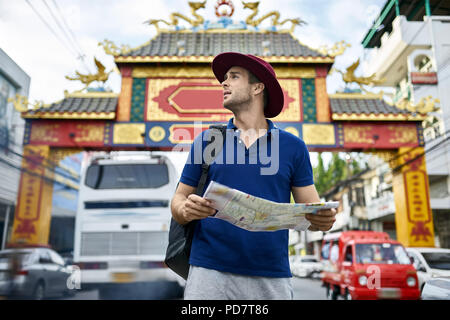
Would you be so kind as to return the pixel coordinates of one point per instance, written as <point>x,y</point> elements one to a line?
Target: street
<point>308,289</point>
<point>304,289</point>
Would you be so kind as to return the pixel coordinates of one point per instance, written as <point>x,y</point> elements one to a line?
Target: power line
<point>75,40</point>
<point>420,155</point>
<point>52,166</point>
<point>410,150</point>
<point>67,36</point>
<point>71,179</point>
<point>50,28</point>
<point>21,169</point>
<point>392,170</point>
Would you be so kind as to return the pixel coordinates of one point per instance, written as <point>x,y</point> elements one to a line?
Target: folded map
<point>257,214</point>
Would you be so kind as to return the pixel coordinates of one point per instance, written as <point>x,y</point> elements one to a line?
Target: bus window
<point>127,176</point>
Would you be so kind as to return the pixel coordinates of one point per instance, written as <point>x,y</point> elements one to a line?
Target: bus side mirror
<point>411,259</point>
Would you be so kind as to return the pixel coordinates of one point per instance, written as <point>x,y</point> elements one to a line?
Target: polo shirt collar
<point>231,125</point>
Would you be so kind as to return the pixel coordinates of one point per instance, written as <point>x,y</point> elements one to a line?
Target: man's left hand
<point>323,220</point>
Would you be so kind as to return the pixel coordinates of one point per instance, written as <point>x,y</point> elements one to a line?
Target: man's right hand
<point>195,208</point>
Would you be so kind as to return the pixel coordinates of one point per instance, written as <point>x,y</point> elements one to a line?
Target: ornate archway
<point>168,86</point>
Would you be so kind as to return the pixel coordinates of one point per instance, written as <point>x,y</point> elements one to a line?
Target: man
<point>228,262</point>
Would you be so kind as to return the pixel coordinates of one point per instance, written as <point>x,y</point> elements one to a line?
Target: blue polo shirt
<point>268,169</point>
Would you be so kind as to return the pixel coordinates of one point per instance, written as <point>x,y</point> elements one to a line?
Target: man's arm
<point>187,206</point>
<point>323,220</point>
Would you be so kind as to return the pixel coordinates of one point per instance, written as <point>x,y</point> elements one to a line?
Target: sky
<point>48,56</point>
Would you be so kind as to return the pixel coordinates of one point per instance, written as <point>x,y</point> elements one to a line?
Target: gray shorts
<point>209,284</point>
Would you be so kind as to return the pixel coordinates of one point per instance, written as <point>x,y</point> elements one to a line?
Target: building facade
<point>409,46</point>
<point>13,80</point>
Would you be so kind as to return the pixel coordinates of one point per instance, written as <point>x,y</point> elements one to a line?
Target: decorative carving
<point>349,76</point>
<point>274,14</point>
<point>87,79</point>
<point>175,16</point>
<point>337,49</point>
<point>224,13</point>
<point>21,104</point>
<point>204,71</point>
<point>129,133</point>
<point>358,135</point>
<point>157,133</point>
<point>112,49</point>
<point>155,113</point>
<point>425,105</point>
<point>45,133</point>
<point>319,134</point>
<point>89,133</point>
<point>209,59</point>
<point>403,135</point>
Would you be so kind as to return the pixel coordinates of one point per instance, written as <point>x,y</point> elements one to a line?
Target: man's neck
<point>245,121</point>
<point>252,126</point>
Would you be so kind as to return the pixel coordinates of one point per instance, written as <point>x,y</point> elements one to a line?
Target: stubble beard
<point>238,104</point>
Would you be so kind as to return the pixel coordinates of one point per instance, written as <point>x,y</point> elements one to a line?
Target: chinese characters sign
<point>411,193</point>
<point>34,208</point>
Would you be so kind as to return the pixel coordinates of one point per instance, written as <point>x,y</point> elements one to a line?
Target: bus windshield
<point>381,253</point>
<point>127,176</point>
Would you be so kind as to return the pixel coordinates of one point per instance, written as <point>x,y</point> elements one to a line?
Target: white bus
<point>122,223</point>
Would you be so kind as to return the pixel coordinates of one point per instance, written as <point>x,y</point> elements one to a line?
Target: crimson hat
<point>260,68</point>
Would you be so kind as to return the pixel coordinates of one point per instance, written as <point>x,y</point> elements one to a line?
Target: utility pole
<point>5,227</point>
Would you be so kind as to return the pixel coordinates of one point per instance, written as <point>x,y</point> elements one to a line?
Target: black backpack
<point>180,236</point>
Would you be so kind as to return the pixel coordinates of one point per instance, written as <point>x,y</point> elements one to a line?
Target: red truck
<point>367,265</point>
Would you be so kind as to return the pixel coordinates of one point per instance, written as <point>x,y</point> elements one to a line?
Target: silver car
<point>35,273</point>
<point>430,263</point>
<point>306,266</point>
<point>436,289</point>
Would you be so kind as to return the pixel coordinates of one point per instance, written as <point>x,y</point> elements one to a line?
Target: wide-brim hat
<point>261,69</point>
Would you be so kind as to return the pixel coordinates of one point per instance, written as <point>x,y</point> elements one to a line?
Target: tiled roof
<point>211,44</point>
<point>363,106</point>
<point>92,106</point>
<point>367,107</point>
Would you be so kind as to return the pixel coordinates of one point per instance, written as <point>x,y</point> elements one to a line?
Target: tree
<point>338,170</point>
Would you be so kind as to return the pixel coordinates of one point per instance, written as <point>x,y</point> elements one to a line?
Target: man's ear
<point>259,87</point>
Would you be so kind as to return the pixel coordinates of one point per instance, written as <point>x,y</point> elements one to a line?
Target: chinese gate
<point>168,86</point>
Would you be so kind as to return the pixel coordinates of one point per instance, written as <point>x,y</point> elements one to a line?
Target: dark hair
<point>254,79</point>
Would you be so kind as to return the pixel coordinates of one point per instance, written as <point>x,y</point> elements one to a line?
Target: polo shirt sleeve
<point>193,168</point>
<point>302,175</point>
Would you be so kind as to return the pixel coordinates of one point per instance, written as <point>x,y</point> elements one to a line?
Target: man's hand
<point>195,207</point>
<point>323,220</point>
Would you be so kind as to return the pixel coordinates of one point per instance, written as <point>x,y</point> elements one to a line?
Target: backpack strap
<point>205,166</point>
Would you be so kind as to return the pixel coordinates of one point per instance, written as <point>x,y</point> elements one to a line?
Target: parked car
<point>430,263</point>
<point>35,273</point>
<point>436,289</point>
<point>306,266</point>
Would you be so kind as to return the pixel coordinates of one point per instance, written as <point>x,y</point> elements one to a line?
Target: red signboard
<point>380,135</point>
<point>202,100</point>
<point>423,77</point>
<point>67,133</point>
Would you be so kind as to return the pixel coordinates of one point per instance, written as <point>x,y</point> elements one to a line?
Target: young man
<point>228,262</point>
